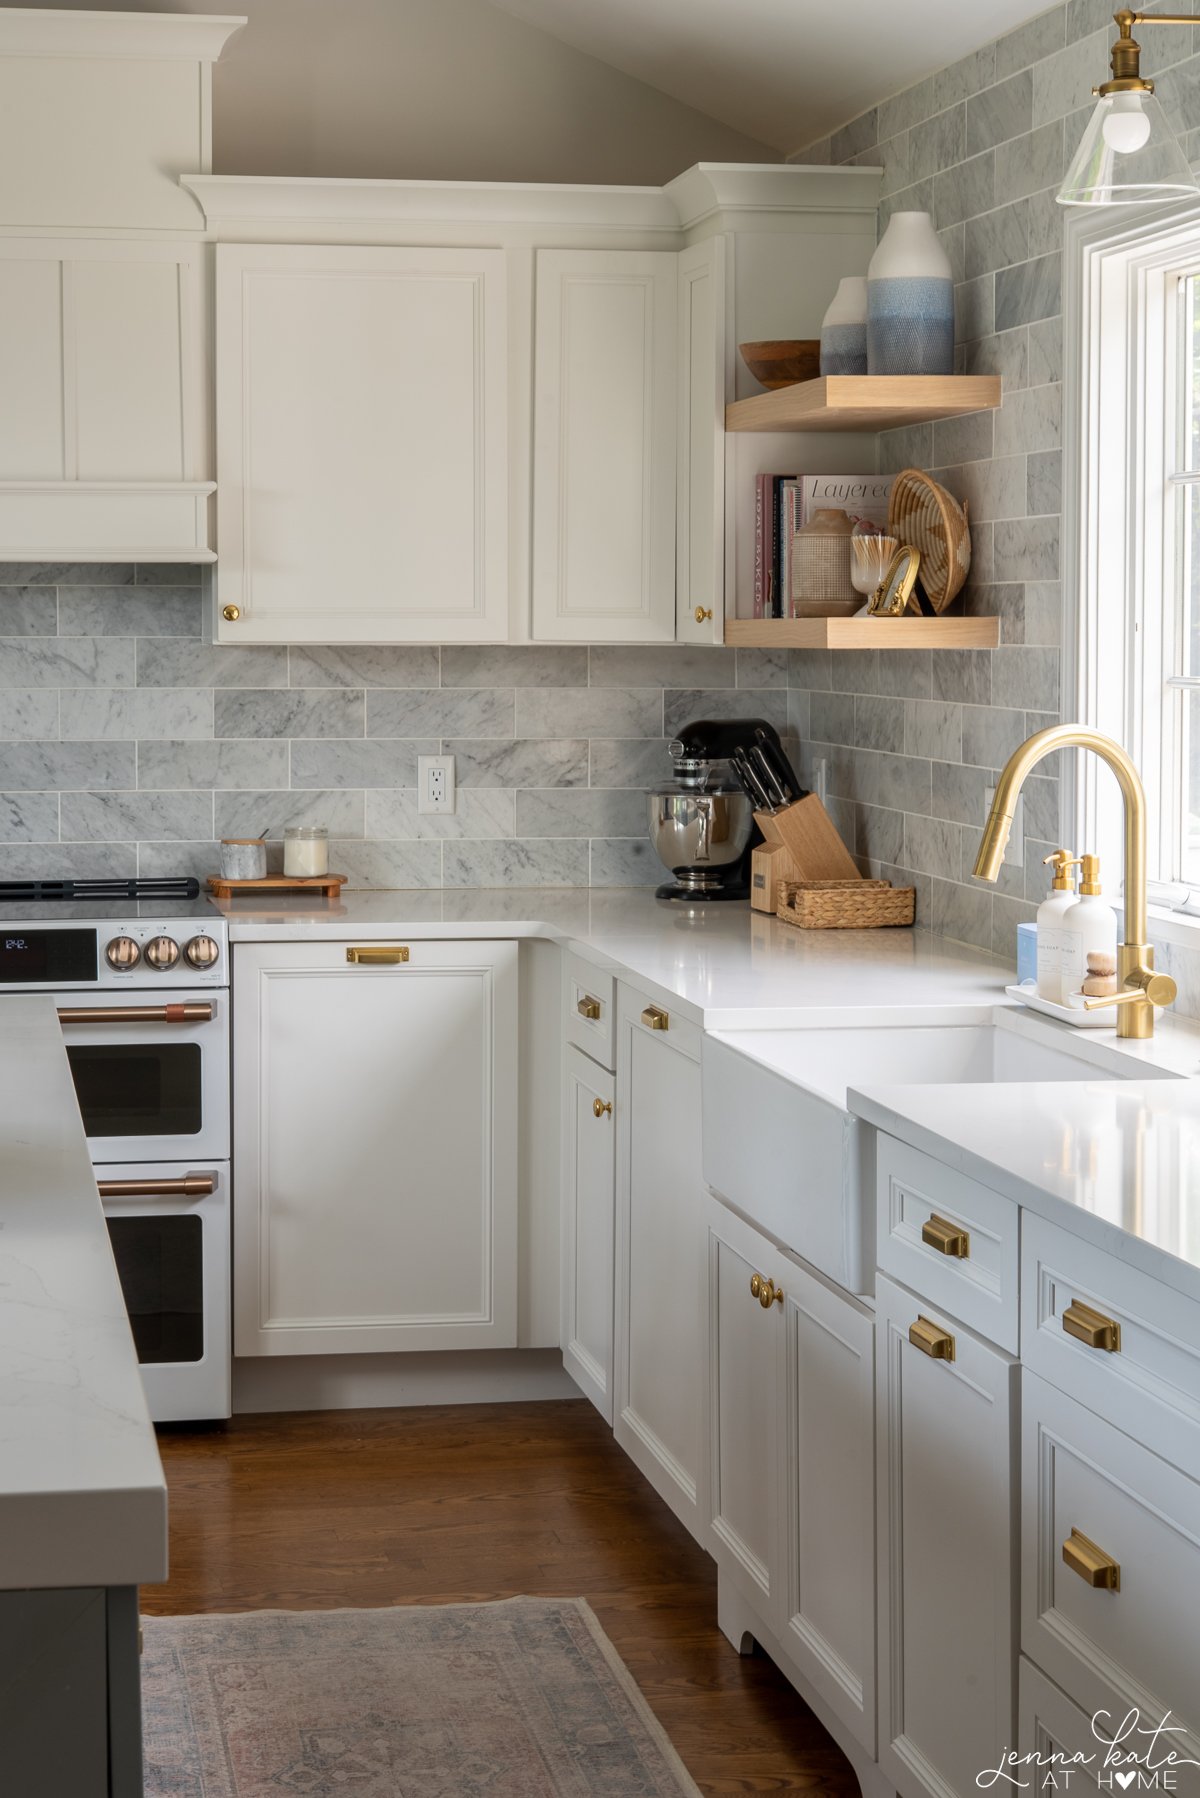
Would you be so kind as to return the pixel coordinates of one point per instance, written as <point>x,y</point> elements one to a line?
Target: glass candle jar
<point>306,850</point>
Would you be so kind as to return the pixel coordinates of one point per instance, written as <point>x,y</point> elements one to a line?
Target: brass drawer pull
<point>587,1007</point>
<point>655,1019</point>
<point>384,955</point>
<point>1086,1325</point>
<point>765,1291</point>
<point>1091,1563</point>
<point>182,1013</point>
<point>191,1186</point>
<point>933,1341</point>
<point>601,1108</point>
<point>946,1238</point>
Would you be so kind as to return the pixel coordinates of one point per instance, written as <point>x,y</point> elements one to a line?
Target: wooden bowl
<point>783,361</point>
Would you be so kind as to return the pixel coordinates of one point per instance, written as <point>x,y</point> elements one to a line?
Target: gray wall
<point>128,742</point>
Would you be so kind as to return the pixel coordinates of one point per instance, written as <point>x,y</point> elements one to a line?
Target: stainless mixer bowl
<point>698,835</point>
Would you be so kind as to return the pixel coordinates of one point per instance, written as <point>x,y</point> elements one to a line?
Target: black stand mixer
<point>702,822</point>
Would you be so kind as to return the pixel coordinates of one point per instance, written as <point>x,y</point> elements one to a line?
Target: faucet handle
<point>1141,984</point>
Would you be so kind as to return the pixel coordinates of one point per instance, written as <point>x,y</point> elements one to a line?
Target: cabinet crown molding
<point>709,188</point>
<point>187,37</point>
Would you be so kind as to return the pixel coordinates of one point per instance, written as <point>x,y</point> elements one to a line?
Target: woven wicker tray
<point>845,904</point>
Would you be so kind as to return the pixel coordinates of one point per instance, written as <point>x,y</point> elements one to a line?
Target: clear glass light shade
<point>1128,155</point>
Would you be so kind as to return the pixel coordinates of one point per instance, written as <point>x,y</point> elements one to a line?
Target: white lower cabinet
<point>589,1164</point>
<point>1058,1751</point>
<point>947,1554</point>
<point>791,1459</point>
<point>660,1263</point>
<point>375,1145</point>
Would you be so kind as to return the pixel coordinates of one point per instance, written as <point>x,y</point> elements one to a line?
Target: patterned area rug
<point>523,1699</point>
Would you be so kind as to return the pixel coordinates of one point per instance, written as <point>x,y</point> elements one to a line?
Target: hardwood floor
<point>437,1506</point>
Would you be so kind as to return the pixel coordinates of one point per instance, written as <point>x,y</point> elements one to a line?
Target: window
<point>1132,530</point>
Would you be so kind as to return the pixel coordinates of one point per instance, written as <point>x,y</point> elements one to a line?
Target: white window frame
<point>1120,351</point>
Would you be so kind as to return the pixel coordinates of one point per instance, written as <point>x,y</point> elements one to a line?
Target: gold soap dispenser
<point>1057,902</point>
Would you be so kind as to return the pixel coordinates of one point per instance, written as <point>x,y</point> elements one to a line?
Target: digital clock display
<point>46,957</point>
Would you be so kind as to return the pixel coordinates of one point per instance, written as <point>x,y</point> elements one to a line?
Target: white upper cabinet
<point>604,446</point>
<point>361,444</point>
<point>700,484</point>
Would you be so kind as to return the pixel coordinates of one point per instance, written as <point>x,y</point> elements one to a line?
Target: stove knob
<point>201,952</point>
<point>162,952</point>
<point>122,953</point>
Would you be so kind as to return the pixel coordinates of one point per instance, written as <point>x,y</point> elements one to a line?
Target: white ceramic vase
<point>844,329</point>
<point>910,301</point>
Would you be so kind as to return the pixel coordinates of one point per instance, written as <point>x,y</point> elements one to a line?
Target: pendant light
<point>1129,154</point>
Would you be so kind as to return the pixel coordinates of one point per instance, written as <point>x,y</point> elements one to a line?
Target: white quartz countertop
<point>83,1501</point>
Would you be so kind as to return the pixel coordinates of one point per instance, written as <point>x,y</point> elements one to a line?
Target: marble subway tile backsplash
<point>129,742</point>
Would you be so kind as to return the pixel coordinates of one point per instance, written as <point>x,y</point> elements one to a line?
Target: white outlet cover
<point>436,788</point>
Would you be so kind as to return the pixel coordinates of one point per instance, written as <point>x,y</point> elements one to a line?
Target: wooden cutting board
<point>810,837</point>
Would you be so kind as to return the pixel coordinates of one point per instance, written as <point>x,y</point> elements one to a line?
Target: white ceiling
<point>783,71</point>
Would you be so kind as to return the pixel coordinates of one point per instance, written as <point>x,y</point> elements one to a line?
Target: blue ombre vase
<point>844,329</point>
<point>910,301</point>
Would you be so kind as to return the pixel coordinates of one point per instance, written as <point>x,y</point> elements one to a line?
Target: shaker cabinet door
<point>361,444</point>
<point>589,1165</point>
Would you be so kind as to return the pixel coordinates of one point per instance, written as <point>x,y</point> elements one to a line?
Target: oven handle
<point>191,1186</point>
<point>135,1014</point>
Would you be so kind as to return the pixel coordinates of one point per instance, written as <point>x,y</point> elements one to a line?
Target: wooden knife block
<point>799,843</point>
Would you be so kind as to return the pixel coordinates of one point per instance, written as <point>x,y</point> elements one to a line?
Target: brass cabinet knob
<point>1091,1563</point>
<point>703,613</point>
<point>587,1007</point>
<point>946,1238</point>
<point>937,1343</point>
<point>231,614</point>
<point>654,1018</point>
<point>1092,1327</point>
<point>765,1291</point>
<point>601,1109</point>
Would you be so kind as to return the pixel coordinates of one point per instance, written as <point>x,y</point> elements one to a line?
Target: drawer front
<point>1064,1750</point>
<point>589,996</point>
<point>663,1021</point>
<point>1143,1374</point>
<point>1113,1622</point>
<point>948,1238</point>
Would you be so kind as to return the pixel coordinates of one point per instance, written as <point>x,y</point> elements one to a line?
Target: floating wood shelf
<point>864,402</point>
<point>862,633</point>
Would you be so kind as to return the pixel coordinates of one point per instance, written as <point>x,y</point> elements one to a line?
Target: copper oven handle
<point>191,1186</point>
<point>135,1014</point>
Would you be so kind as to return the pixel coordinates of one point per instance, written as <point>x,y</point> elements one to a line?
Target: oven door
<point>151,1075</point>
<point>169,1229</point>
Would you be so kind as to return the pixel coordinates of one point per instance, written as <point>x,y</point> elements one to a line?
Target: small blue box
<point>1026,952</point>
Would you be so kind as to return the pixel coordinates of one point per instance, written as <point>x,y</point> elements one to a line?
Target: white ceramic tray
<point>1027,994</point>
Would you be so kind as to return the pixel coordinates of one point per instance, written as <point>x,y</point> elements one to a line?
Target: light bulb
<point>1126,127</point>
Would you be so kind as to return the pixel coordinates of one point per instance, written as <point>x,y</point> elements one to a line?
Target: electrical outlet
<point>435,783</point>
<point>1014,855</point>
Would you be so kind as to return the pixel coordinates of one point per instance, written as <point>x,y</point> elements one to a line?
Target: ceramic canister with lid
<point>910,301</point>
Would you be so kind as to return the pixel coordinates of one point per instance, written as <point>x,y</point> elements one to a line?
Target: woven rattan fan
<point>922,513</point>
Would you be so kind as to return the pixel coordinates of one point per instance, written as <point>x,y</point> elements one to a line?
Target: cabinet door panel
<point>129,347</point>
<point>361,443</point>
<point>947,1525</point>
<point>31,368</point>
<point>744,1368</point>
<point>374,1149</point>
<point>703,381</point>
<point>604,446</point>
<point>589,1168</point>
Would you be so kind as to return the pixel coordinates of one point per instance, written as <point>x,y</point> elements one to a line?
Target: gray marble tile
<point>1029,43</point>
<point>28,611</point>
<point>755,668</point>
<point>363,665</point>
<point>1028,292</point>
<point>548,862</point>
<point>480,813</point>
<point>131,713</point>
<point>963,675</point>
<point>990,734</point>
<point>289,712</point>
<point>1045,222</point>
<point>975,309</point>
<point>28,817</point>
<point>938,143</point>
<point>66,662</point>
<point>622,763</point>
<point>1005,601</point>
<point>958,793</point>
<point>1029,421</point>
<point>769,703</point>
<point>683,665</point>
<point>157,860</point>
<point>1044,491</point>
<point>855,671</point>
<point>968,76</point>
<point>900,782</point>
<point>28,716</point>
<point>130,612</point>
<point>1043,613</point>
<point>389,762</point>
<point>909,447</point>
<point>67,861</point>
<point>441,712</point>
<point>590,711</point>
<point>850,140</point>
<point>800,715</point>
<point>993,489</point>
<point>1006,915</point>
<point>581,812</point>
<point>966,439</point>
<point>1042,817</point>
<point>964,191</point>
<point>1027,549</point>
<point>625,862</point>
<point>223,764</point>
<point>878,723</point>
<point>907,673</point>
<point>1045,351</point>
<point>933,729</point>
<point>878,833</point>
<point>521,763</point>
<point>513,665</point>
<point>963,914</point>
<point>55,574</point>
<point>1063,80</point>
<point>997,113</point>
<point>997,239</point>
<point>398,865</point>
<point>168,574</point>
<point>166,663</point>
<point>831,717</point>
<point>42,766</point>
<point>248,814</point>
<point>907,108</point>
<point>931,846</point>
<point>810,668</point>
<point>134,817</point>
<point>983,560</point>
<point>1005,354</point>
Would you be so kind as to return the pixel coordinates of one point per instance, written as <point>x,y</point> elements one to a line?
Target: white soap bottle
<point>1061,898</point>
<point>1088,934</point>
